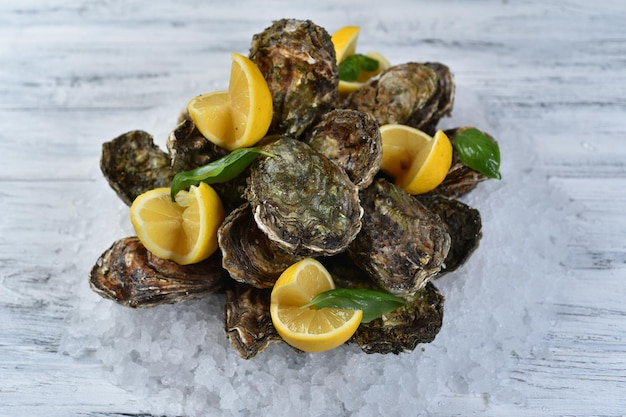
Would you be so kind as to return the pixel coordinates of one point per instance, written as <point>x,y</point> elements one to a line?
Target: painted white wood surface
<point>76,73</point>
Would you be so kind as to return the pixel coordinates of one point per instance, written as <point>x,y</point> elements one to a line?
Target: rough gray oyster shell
<point>460,179</point>
<point>352,140</point>
<point>463,224</point>
<point>402,244</point>
<point>302,201</point>
<point>133,164</point>
<point>248,254</point>
<point>413,94</point>
<point>297,59</point>
<point>130,275</point>
<point>248,324</point>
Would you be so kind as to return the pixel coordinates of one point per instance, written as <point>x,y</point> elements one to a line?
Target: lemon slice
<point>239,117</point>
<point>347,87</point>
<point>184,231</point>
<point>417,161</point>
<point>309,329</point>
<point>345,41</point>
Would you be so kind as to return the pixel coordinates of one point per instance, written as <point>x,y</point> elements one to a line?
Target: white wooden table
<point>551,75</point>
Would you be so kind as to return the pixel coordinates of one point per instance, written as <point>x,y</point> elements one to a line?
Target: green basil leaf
<point>373,303</point>
<point>350,68</point>
<point>220,170</point>
<point>366,63</point>
<point>479,152</point>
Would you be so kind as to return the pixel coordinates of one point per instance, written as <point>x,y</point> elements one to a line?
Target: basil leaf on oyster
<point>479,152</point>
<point>220,170</point>
<point>352,66</point>
<point>373,303</point>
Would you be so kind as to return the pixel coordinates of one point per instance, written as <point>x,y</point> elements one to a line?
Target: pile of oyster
<point>321,195</point>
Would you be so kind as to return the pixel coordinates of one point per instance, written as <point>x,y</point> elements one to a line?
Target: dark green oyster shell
<point>352,140</point>
<point>463,224</point>
<point>402,244</point>
<point>413,94</point>
<point>133,164</point>
<point>247,323</point>
<point>302,201</point>
<point>403,329</point>
<point>132,276</point>
<point>247,253</point>
<point>297,59</point>
<point>400,330</point>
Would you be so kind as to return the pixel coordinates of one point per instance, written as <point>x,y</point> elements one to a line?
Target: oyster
<point>302,201</point>
<point>130,275</point>
<point>188,148</point>
<point>463,224</point>
<point>352,140</point>
<point>133,164</point>
<point>248,324</point>
<point>402,244</point>
<point>414,94</point>
<point>403,329</point>
<point>400,330</point>
<point>247,254</point>
<point>297,59</point>
<point>460,179</point>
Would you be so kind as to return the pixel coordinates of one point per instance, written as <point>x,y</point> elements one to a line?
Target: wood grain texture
<point>76,73</point>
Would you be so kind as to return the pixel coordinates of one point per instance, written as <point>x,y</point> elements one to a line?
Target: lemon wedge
<point>417,161</point>
<point>309,329</point>
<point>184,231</point>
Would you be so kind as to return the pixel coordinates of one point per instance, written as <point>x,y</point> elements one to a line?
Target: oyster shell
<point>188,148</point>
<point>463,224</point>
<point>133,164</point>
<point>403,329</point>
<point>302,201</point>
<point>400,330</point>
<point>297,59</point>
<point>460,179</point>
<point>402,244</point>
<point>130,275</point>
<point>247,254</point>
<point>352,140</point>
<point>248,324</point>
<point>413,94</point>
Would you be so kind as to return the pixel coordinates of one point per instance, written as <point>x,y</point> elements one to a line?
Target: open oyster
<point>297,59</point>
<point>402,244</point>
<point>248,254</point>
<point>129,274</point>
<point>413,94</point>
<point>133,164</point>
<point>352,140</point>
<point>302,201</point>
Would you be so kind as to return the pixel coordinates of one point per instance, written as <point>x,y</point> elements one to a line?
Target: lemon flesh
<point>184,231</point>
<point>309,329</point>
<point>417,161</point>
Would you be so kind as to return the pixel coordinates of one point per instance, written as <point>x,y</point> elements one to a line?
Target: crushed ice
<point>177,360</point>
